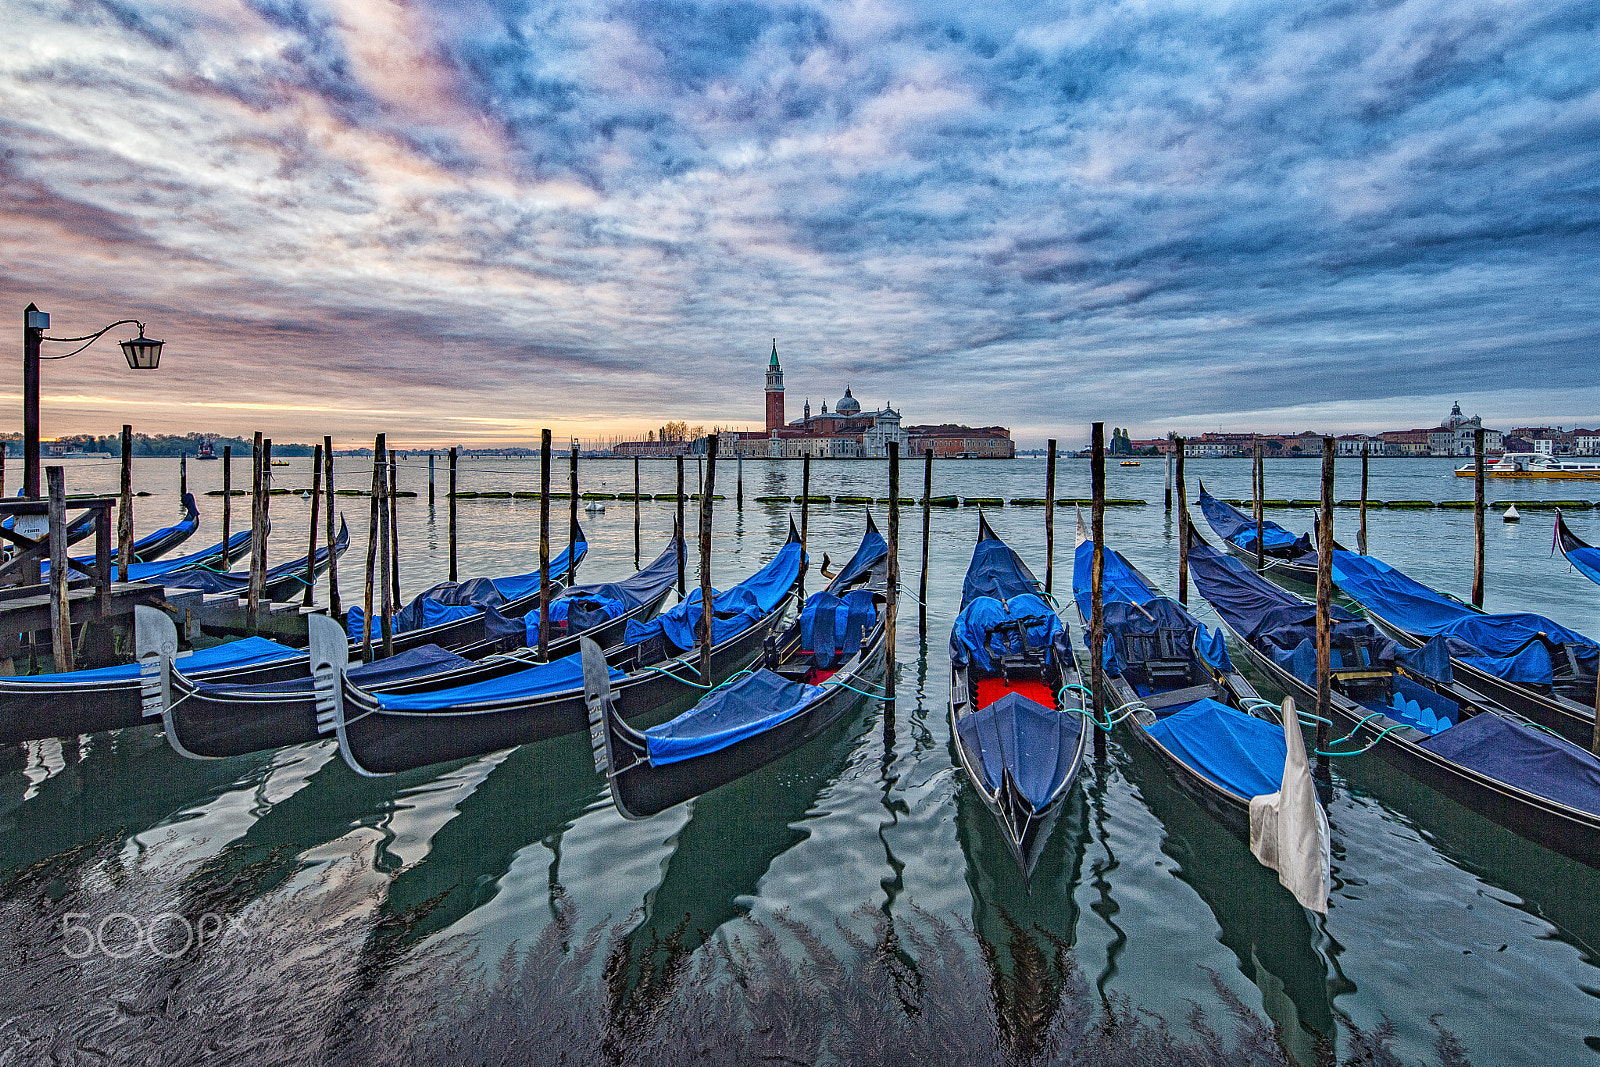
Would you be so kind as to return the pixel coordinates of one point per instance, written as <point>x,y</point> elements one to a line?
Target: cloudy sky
<point>462,221</point>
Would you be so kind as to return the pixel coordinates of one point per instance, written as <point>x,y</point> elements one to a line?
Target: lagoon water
<point>1436,913</point>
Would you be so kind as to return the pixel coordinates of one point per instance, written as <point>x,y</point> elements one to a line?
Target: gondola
<point>109,698</point>
<point>148,549</point>
<point>1205,724</point>
<point>413,726</point>
<point>1408,707</point>
<point>207,720</point>
<point>804,680</point>
<point>1017,715</point>
<point>1529,663</point>
<point>1289,557</point>
<point>455,614</point>
<point>1578,552</point>
<point>284,582</point>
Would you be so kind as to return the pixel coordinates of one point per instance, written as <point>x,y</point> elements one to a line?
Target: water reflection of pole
<point>1107,907</point>
<point>891,609</point>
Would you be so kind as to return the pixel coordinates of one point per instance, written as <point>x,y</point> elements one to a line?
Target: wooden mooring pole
<point>389,497</point>
<point>183,475</point>
<point>1050,516</point>
<point>1477,518</point>
<point>387,606</point>
<point>706,613</point>
<point>1097,573</point>
<point>372,551</point>
<point>738,490</point>
<point>430,479</point>
<point>1259,479</point>
<point>1324,606</point>
<point>1170,450</point>
<point>805,518</point>
<point>572,524</point>
<point>309,592</point>
<point>927,526</point>
<point>1361,536</point>
<point>253,593</point>
<point>332,520</point>
<point>60,606</point>
<point>683,589</point>
<point>891,611</point>
<point>227,506</point>
<point>544,545</point>
<point>1183,528</point>
<point>452,519</point>
<point>125,510</point>
<point>637,510</point>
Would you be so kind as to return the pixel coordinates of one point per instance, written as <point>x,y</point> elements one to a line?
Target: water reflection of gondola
<point>534,796</point>
<point>1558,890</point>
<point>1276,943</point>
<point>734,835</point>
<point>120,782</point>
<point>999,889</point>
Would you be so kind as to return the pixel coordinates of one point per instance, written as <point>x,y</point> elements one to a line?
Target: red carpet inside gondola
<point>992,689</point>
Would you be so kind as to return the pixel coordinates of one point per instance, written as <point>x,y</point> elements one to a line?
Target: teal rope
<point>853,689</point>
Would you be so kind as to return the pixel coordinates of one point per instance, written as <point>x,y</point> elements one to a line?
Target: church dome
<point>847,405</point>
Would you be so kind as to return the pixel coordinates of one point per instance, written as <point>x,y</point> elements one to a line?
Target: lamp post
<point>142,353</point>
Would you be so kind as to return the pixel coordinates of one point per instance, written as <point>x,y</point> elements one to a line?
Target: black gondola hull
<point>645,789</point>
<point>212,725</point>
<point>375,741</point>
<point>1559,828</point>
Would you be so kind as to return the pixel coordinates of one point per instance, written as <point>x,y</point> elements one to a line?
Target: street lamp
<point>141,352</point>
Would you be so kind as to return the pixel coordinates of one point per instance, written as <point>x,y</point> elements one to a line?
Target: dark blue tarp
<point>427,608</point>
<point>1235,526</point>
<point>245,652</point>
<point>149,572</point>
<point>1507,645</point>
<point>750,706</point>
<point>1036,744</point>
<point>213,581</point>
<point>412,663</point>
<point>832,627</point>
<point>599,602</point>
<point>731,611</point>
<point>1239,752</point>
<point>564,675</point>
<point>998,572</point>
<point>1529,759</point>
<point>872,549</point>
<point>986,629</point>
<point>1279,623</point>
<point>1122,588</point>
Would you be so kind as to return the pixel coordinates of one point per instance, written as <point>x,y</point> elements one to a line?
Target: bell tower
<point>774,391</point>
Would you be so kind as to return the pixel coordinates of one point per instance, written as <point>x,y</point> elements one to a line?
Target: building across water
<point>849,432</point>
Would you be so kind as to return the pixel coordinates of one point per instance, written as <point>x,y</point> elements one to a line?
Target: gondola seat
<point>831,627</point>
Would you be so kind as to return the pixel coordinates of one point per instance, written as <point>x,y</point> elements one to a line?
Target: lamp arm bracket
<point>89,338</point>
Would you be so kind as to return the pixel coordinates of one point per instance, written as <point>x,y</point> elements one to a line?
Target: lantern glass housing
<point>143,353</point>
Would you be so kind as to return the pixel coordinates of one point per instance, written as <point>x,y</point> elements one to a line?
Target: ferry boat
<point>1534,465</point>
<point>1129,463</point>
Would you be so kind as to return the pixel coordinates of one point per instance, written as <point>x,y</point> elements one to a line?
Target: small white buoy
<point>305,494</point>
<point>1511,514</point>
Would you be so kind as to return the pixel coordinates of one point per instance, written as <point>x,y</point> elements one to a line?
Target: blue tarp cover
<point>1240,529</point>
<point>412,663</point>
<point>1276,621</point>
<point>1529,759</point>
<point>1505,645</point>
<point>998,572</point>
<point>1038,745</point>
<point>975,638</point>
<point>1239,752</point>
<point>1121,588</point>
<point>599,602</point>
<point>474,594</point>
<point>245,652</point>
<point>831,627</point>
<point>750,706</point>
<point>872,549</point>
<point>559,677</point>
<point>212,581</point>
<point>187,525</point>
<point>731,611</point>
